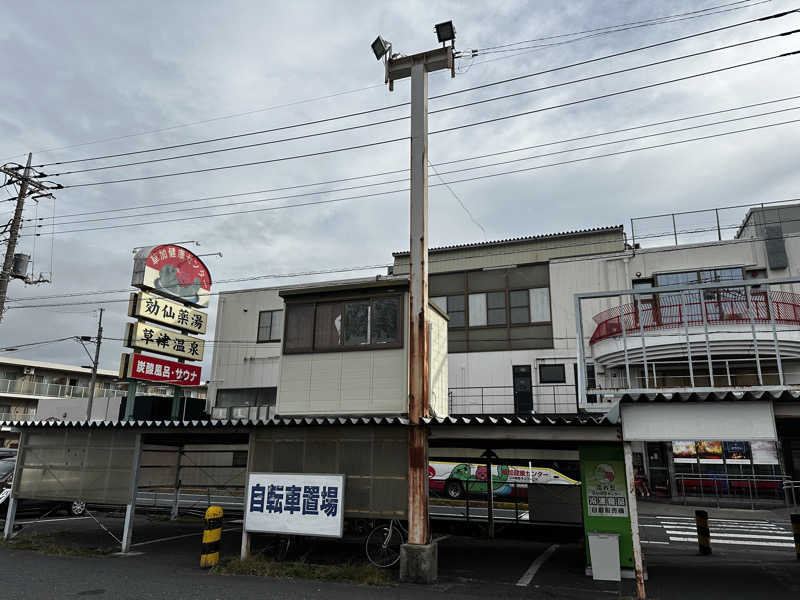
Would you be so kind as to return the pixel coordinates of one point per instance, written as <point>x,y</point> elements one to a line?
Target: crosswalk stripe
<point>727,527</point>
<point>736,542</point>
<point>736,535</point>
<point>755,521</point>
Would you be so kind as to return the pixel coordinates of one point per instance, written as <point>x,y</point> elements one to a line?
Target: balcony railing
<point>726,306</point>
<point>54,390</point>
<point>17,416</point>
<point>502,400</point>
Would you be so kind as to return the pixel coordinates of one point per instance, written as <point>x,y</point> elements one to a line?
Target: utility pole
<point>5,274</point>
<point>417,67</point>
<point>25,181</point>
<point>95,364</point>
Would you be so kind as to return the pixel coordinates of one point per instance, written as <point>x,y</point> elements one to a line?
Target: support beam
<point>173,514</point>
<point>130,509</point>
<point>245,550</point>
<point>11,514</point>
<point>633,510</point>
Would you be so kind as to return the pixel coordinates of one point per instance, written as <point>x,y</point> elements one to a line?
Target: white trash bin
<point>604,550</point>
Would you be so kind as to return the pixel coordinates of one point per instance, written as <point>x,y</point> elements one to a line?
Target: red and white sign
<point>159,370</point>
<point>172,271</point>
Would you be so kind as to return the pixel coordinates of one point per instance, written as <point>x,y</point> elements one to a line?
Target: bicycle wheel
<point>383,545</point>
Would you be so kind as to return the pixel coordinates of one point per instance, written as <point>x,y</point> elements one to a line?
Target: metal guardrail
<point>744,489</point>
<point>54,390</point>
<point>721,307</point>
<point>502,400</point>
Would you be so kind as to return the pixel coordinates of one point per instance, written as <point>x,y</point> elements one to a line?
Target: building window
<point>487,308</point>
<point>454,307</point>
<point>330,326</point>
<point>552,374</point>
<point>239,458</point>
<point>519,302</point>
<point>270,323</point>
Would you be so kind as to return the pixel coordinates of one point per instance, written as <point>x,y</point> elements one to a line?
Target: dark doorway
<point>523,392</point>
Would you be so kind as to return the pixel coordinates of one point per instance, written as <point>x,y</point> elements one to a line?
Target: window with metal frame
<point>554,373</point>
<point>270,323</point>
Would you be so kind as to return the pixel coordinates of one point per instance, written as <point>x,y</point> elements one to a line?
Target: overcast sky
<point>80,72</point>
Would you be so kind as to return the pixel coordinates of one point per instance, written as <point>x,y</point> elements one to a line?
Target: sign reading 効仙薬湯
<point>295,504</point>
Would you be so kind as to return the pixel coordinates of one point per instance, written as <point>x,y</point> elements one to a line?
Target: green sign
<point>605,497</point>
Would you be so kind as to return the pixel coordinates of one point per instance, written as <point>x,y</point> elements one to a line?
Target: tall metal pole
<point>633,511</point>
<point>418,322</point>
<point>8,262</point>
<point>95,364</point>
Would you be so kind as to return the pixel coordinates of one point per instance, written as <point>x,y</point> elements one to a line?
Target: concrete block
<point>419,563</point>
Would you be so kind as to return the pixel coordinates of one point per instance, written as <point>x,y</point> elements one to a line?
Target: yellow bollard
<point>212,535</point>
<point>703,532</point>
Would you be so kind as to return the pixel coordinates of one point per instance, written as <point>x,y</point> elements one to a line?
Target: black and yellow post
<point>703,532</point>
<point>212,535</point>
<point>796,533</point>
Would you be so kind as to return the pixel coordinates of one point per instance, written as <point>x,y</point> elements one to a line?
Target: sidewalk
<point>651,508</point>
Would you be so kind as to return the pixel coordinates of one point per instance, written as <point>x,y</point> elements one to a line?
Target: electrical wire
<point>441,110</point>
<point>439,259</point>
<point>447,129</point>
<point>475,178</point>
<point>574,33</point>
<point>436,172</point>
<point>435,97</point>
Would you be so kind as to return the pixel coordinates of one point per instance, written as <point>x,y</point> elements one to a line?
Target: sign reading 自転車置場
<point>143,336</point>
<point>295,504</point>
<point>160,310</point>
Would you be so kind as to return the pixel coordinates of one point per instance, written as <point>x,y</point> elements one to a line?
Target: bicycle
<point>383,543</point>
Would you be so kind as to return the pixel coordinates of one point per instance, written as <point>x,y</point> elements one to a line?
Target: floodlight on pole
<point>380,47</point>
<point>416,67</point>
<point>446,32</point>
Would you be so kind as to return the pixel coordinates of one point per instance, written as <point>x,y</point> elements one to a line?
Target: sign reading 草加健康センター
<point>174,272</point>
<point>295,504</point>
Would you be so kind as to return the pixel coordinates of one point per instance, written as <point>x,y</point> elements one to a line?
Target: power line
<point>433,259</point>
<point>393,106</point>
<point>463,159</point>
<point>441,110</point>
<point>524,49</point>
<point>437,173</point>
<point>574,33</point>
<point>212,119</point>
<point>475,178</point>
<point>454,128</point>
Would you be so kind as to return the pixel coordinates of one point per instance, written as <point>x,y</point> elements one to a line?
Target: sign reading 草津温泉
<point>143,336</point>
<point>159,370</point>
<point>155,308</point>
<point>606,493</point>
<point>295,504</point>
<point>174,272</point>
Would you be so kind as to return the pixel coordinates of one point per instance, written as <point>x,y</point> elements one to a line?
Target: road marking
<point>742,536</point>
<point>730,529</point>
<point>759,521</point>
<point>729,525</point>
<point>528,576</point>
<point>177,537</point>
<point>51,520</point>
<point>659,526</point>
<point>653,542</point>
<point>736,542</point>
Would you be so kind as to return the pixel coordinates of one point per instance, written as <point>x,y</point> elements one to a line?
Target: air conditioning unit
<point>29,370</point>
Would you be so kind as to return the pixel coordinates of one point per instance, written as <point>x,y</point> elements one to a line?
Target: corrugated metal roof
<point>519,420</point>
<point>723,395</point>
<point>519,240</point>
<point>213,424</point>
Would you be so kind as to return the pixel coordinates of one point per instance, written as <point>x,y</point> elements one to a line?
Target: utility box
<point>19,269</point>
<point>605,556</point>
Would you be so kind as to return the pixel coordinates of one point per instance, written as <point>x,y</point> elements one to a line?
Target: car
<point>76,508</point>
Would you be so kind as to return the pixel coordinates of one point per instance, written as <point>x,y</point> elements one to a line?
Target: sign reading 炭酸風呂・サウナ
<point>295,504</point>
<point>155,308</point>
<point>606,494</point>
<point>143,336</point>
<point>172,271</point>
<point>159,370</point>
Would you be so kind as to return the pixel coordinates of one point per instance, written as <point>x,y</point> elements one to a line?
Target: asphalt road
<point>525,562</point>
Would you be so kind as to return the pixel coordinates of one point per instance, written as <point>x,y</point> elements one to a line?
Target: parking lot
<point>524,561</point>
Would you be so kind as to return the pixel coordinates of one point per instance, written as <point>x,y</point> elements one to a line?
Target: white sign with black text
<point>295,504</point>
